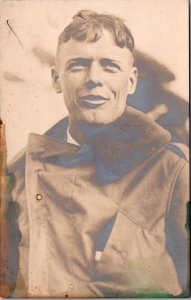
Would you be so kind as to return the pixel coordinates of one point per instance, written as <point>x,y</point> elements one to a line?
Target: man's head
<point>94,67</point>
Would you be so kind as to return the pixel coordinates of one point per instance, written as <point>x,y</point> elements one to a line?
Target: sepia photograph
<point>94,149</point>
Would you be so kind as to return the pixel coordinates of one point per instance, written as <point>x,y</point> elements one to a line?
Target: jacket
<point>105,219</point>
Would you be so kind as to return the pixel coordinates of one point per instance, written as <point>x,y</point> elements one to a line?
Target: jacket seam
<point>180,168</point>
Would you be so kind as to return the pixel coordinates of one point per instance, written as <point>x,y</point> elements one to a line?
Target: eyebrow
<point>78,59</point>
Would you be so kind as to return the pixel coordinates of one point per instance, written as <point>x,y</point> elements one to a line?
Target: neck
<point>84,133</point>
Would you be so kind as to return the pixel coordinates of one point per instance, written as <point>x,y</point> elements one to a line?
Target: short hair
<point>88,26</point>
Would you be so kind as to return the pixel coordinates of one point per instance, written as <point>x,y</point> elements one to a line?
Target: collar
<point>118,148</point>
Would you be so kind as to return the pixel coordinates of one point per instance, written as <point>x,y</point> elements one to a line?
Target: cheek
<point>70,90</point>
<point>71,83</point>
<point>120,87</point>
<point>118,81</point>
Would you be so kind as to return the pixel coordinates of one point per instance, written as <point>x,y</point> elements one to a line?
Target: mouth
<point>92,101</point>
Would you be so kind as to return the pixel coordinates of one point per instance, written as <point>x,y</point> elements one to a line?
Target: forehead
<point>105,47</point>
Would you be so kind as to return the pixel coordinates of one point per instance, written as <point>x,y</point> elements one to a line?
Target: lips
<point>92,98</point>
<point>92,101</point>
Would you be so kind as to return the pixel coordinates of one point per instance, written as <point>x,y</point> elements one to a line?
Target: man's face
<point>95,79</point>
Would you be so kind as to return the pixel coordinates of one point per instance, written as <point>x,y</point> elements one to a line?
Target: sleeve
<point>177,231</point>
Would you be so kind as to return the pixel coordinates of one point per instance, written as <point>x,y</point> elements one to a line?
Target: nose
<point>90,84</point>
<point>93,79</point>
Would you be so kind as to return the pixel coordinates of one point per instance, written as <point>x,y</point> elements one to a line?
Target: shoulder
<point>178,160</point>
<point>181,150</point>
<point>58,131</point>
<point>179,156</point>
<point>168,164</point>
<point>174,155</point>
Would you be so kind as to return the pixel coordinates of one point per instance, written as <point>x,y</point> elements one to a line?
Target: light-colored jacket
<point>105,219</point>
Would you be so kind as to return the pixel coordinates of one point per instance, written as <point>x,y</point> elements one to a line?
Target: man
<point>102,195</point>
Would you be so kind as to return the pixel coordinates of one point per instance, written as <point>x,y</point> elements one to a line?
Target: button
<point>38,197</point>
<point>98,255</point>
<point>71,286</point>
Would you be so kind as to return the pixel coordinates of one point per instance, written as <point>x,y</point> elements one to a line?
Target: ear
<point>55,80</point>
<point>133,80</point>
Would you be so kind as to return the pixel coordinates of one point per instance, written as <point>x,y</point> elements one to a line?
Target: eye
<point>109,66</point>
<point>78,65</point>
<point>75,67</point>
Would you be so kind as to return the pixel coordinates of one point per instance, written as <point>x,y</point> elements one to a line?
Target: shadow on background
<point>168,109</point>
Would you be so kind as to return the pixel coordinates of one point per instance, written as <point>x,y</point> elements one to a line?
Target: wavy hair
<point>89,25</point>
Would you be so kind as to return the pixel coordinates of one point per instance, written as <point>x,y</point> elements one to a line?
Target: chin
<point>97,118</point>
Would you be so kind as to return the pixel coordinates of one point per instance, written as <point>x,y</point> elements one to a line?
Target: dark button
<point>38,197</point>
